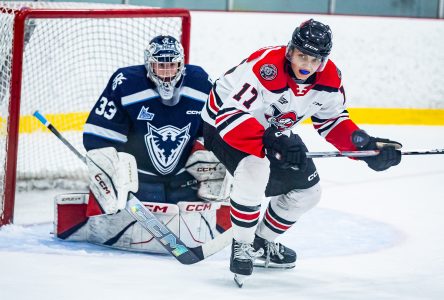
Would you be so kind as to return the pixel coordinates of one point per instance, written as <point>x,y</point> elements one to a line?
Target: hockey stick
<point>360,138</point>
<point>185,255</point>
<point>369,153</point>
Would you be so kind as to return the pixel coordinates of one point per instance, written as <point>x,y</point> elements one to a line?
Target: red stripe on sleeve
<point>247,137</point>
<point>224,116</point>
<point>340,135</point>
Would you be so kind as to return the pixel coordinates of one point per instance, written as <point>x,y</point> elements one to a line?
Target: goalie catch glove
<point>389,154</point>
<point>204,166</point>
<point>285,151</point>
<point>112,175</point>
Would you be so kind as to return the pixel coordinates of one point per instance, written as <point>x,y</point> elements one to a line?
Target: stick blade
<point>161,233</point>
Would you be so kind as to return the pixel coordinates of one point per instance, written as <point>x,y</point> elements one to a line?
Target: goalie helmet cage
<point>57,58</point>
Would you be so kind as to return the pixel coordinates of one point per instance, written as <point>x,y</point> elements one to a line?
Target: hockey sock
<point>284,210</point>
<point>273,224</point>
<point>244,220</point>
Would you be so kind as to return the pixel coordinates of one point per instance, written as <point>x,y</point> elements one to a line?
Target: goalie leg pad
<point>195,223</point>
<point>70,216</point>
<point>121,231</point>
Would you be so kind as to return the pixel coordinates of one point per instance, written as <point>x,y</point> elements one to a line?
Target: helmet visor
<point>299,58</point>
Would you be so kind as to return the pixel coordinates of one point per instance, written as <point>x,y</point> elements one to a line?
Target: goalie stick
<point>172,243</point>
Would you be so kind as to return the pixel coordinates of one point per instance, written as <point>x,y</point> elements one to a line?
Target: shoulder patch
<point>268,71</point>
<point>118,80</point>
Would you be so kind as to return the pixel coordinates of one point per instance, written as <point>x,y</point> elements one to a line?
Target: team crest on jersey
<point>145,115</point>
<point>268,71</point>
<point>281,120</point>
<point>118,80</point>
<point>165,146</point>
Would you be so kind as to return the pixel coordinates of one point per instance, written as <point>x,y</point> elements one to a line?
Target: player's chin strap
<point>185,255</point>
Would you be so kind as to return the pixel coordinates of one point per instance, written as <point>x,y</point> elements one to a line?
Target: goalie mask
<point>164,61</point>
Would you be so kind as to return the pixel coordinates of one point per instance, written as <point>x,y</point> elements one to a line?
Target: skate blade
<point>271,265</point>
<point>240,279</point>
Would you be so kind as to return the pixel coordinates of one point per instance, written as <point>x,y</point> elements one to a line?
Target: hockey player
<point>152,111</point>
<point>248,120</point>
<point>142,137</point>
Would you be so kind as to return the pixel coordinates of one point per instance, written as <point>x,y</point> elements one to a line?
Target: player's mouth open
<point>304,72</point>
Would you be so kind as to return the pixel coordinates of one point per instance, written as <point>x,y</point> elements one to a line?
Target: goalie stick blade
<point>161,233</point>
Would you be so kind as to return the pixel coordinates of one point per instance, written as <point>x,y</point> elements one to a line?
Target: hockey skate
<point>275,255</point>
<point>241,261</point>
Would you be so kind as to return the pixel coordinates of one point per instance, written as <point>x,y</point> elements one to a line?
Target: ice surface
<point>373,236</point>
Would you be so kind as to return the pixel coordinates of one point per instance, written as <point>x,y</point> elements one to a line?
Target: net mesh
<point>66,64</point>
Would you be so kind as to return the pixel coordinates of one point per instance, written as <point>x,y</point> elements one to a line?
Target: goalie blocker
<point>195,223</point>
<point>211,175</point>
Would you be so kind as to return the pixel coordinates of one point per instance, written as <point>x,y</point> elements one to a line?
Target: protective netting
<point>66,65</point>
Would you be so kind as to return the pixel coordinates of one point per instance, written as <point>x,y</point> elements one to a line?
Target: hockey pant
<point>292,192</point>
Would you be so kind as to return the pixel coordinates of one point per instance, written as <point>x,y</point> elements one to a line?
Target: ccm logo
<point>102,184</point>
<point>198,207</point>
<point>206,169</point>
<point>157,208</point>
<point>193,112</point>
<point>313,176</point>
<point>311,47</point>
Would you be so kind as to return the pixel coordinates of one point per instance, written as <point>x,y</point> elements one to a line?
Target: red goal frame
<point>21,15</point>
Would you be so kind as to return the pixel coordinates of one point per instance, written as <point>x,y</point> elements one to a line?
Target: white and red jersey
<point>260,91</point>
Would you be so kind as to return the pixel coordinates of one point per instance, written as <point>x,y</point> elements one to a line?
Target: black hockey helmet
<point>312,38</point>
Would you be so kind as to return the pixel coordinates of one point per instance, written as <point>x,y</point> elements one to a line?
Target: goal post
<point>57,58</point>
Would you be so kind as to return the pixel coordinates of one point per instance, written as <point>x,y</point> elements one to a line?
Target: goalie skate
<point>275,255</point>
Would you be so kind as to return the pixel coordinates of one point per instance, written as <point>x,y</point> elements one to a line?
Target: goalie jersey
<point>130,117</point>
<point>261,91</point>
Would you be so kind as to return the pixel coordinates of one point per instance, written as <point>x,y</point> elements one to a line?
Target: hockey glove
<point>112,175</point>
<point>207,170</point>
<point>388,156</point>
<point>284,151</point>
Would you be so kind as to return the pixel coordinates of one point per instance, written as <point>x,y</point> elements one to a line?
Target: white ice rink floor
<point>373,236</point>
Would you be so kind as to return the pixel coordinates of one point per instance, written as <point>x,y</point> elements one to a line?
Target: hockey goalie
<point>143,137</point>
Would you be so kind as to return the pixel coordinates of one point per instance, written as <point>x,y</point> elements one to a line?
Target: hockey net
<point>57,58</point>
